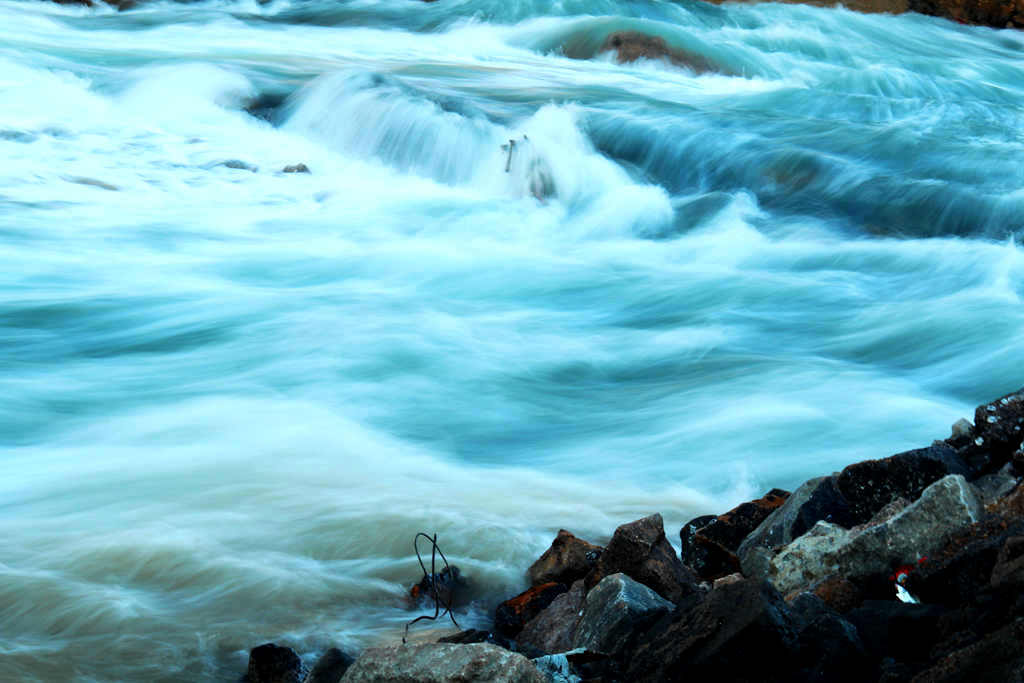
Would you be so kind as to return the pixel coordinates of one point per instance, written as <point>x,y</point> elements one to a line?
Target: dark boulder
<point>870,485</point>
<point>629,46</point>
<point>710,548</point>
<point>829,646</point>
<point>615,612</point>
<point>296,168</point>
<point>554,629</point>
<point>997,434</point>
<point>512,615</point>
<point>331,666</point>
<point>640,551</point>
<point>996,658</point>
<point>740,632</point>
<point>448,587</point>
<point>569,558</point>
<point>905,633</point>
<point>270,663</point>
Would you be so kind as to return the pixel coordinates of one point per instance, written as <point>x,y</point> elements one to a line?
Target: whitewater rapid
<point>233,395</point>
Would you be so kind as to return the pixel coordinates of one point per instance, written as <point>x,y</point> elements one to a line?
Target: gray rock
<point>921,528</point>
<point>962,428</point>
<point>442,663</point>
<point>556,667</point>
<point>553,629</point>
<point>992,487</point>
<point>331,666</point>
<point>614,609</point>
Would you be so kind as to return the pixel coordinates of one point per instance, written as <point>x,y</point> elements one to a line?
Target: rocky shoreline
<point>906,568</point>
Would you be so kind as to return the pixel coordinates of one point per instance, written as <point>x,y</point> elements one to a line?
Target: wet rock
<point>554,629</point>
<point>816,500</point>
<point>474,635</point>
<point>870,485</point>
<point>297,168</point>
<point>331,666</point>
<point>904,632</point>
<point>630,46</point>
<point>569,558</point>
<point>742,632</point>
<point>556,668</point>
<point>641,551</point>
<point>442,663</point>
<point>921,528</point>
<point>270,663</point>
<point>237,164</point>
<point>616,609</point>
<point>512,615</point>
<point>996,658</point>
<point>710,549</point>
<point>449,586</point>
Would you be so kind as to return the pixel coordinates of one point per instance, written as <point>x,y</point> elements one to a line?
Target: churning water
<point>230,395</point>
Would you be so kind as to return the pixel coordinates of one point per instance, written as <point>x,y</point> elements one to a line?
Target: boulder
<point>331,666</point>
<point>839,593</point>
<point>296,168</point>
<point>816,500</point>
<point>921,528</point>
<point>270,663</point>
<point>740,632</point>
<point>830,648</point>
<point>903,632</point>
<point>554,629</point>
<point>514,613</point>
<point>442,663</point>
<point>568,559</point>
<point>870,485</point>
<point>998,433</point>
<point>616,609</point>
<point>448,583</point>
<point>996,658</point>
<point>630,46</point>
<point>640,551</point>
<point>710,548</point>
<point>994,486</point>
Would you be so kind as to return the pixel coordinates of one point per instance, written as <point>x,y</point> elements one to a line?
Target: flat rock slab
<point>442,663</point>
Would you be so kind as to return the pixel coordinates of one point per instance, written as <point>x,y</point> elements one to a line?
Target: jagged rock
<point>615,609</point>
<point>996,485</point>
<point>514,613</point>
<point>630,46</point>
<point>331,666</point>
<point>554,629</point>
<point>997,658</point>
<point>641,551</point>
<point>816,500</point>
<point>870,485</point>
<point>830,647</point>
<point>569,558</point>
<point>442,663</point>
<point>710,549</point>
<point>741,632</point>
<point>921,528</point>
<point>270,663</point>
<point>998,433</point>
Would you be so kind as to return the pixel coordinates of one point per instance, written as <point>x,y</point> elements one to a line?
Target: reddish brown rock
<point>569,558</point>
<point>710,549</point>
<point>554,628</point>
<point>838,593</point>
<point>640,551</point>
<point>514,613</point>
<point>630,46</point>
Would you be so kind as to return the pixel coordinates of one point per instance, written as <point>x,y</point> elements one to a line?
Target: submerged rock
<point>569,558</point>
<point>630,46</point>
<point>296,168</point>
<point>641,551</point>
<point>443,663</point>
<point>448,584</point>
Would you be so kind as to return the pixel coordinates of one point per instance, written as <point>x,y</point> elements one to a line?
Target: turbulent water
<point>232,395</point>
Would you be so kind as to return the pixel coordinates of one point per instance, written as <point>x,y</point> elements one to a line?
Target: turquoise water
<point>232,395</point>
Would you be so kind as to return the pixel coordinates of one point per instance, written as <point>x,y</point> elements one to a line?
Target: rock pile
<point>906,568</point>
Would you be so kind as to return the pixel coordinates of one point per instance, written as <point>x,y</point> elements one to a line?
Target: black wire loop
<point>433,575</point>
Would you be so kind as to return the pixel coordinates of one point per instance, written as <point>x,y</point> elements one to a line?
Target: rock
<point>514,613</point>
<point>569,558</point>
<point>474,635</point>
<point>726,580</point>
<point>962,429</point>
<point>816,500</point>
<point>996,485</point>
<point>742,632</point>
<point>297,168</point>
<point>1009,568</point>
<point>998,433</point>
<point>331,666</point>
<point>921,528</point>
<point>91,182</point>
<point>710,549</point>
<point>442,663</point>
<point>449,585</point>
<point>830,647</point>
<point>870,485</point>
<point>997,658</point>
<point>641,551</point>
<point>839,593</point>
<point>615,609</point>
<point>902,631</point>
<point>554,629</point>
<point>270,663</point>
<point>237,164</point>
<point>556,668</point>
<point>630,46</point>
